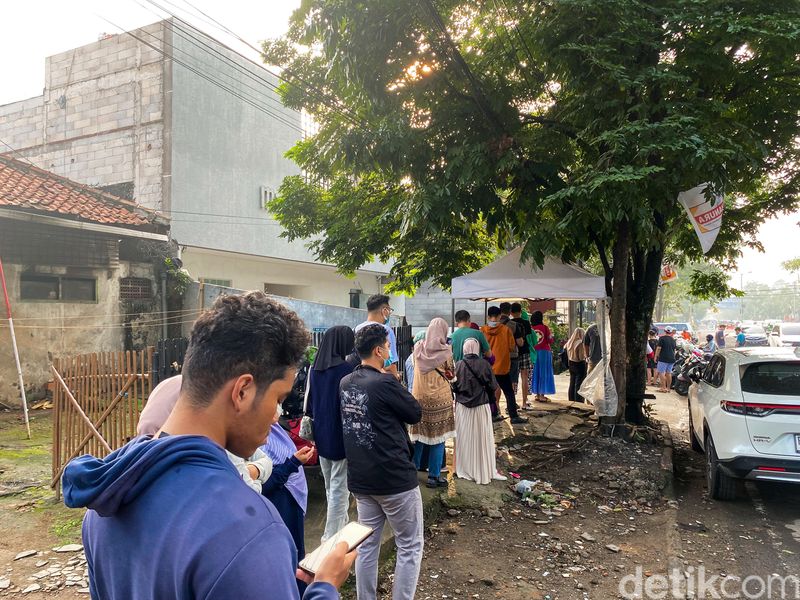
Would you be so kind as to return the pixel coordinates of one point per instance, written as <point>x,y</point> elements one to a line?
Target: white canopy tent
<point>508,277</point>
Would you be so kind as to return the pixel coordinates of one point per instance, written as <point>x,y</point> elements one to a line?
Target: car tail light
<point>776,469</point>
<point>735,408</point>
<point>757,409</point>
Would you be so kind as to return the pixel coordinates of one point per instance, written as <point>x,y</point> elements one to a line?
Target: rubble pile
<point>59,568</point>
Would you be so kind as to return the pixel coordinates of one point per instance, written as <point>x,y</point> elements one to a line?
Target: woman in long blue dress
<point>543,380</point>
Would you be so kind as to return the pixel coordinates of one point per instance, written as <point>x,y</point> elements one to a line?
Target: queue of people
<point>180,495</point>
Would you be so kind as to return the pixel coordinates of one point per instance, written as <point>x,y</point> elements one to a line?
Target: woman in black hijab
<point>332,362</point>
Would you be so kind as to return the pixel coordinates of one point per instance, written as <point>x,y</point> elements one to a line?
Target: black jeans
<point>508,391</point>
<point>577,373</point>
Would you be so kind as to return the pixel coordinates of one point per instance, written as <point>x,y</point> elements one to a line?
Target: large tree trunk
<point>621,256</point>
<point>642,286</point>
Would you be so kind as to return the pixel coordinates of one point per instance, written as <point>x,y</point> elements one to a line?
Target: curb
<point>667,465</point>
<point>674,544</point>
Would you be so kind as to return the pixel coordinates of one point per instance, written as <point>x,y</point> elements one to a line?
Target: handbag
<point>306,423</point>
<point>453,383</point>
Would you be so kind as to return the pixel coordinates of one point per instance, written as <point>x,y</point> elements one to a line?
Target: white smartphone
<point>352,533</point>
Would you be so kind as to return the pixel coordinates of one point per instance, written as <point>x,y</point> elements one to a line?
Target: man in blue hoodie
<point>170,518</point>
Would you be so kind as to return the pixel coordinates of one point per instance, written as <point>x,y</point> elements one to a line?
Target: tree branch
<point>601,250</point>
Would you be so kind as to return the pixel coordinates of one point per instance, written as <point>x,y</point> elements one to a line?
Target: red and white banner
<point>705,215</point>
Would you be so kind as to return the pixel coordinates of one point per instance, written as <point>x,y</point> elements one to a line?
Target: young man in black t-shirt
<point>381,474</point>
<point>524,350</point>
<point>665,358</point>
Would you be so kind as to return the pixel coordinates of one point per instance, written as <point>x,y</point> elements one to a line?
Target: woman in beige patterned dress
<point>433,370</point>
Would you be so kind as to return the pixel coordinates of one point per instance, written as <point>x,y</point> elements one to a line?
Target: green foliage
<point>452,130</point>
<point>541,124</point>
<point>792,265</point>
<point>179,279</point>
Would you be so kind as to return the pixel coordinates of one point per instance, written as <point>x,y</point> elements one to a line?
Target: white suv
<point>785,335</point>
<point>744,413</point>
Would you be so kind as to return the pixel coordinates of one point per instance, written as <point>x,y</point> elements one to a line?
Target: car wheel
<point>720,485</point>
<point>693,434</point>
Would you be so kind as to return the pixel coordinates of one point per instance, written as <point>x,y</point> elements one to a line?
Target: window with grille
<point>135,288</point>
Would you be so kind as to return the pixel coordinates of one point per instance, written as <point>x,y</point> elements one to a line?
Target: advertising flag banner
<point>668,274</point>
<point>705,214</point>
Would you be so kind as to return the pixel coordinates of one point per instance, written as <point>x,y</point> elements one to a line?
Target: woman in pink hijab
<point>433,372</point>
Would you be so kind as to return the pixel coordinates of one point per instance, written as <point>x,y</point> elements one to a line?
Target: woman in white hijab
<point>475,451</point>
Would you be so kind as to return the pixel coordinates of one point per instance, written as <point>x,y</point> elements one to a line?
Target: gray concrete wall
<point>315,314</point>
<point>47,330</point>
<point>431,301</point>
<point>224,151</point>
<point>99,120</point>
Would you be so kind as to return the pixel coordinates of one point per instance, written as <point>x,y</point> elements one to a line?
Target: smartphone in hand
<point>352,533</point>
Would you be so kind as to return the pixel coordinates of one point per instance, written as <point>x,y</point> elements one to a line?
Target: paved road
<point>757,536</point>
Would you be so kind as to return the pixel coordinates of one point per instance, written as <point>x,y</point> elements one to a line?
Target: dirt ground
<point>598,513</point>
<point>31,519</point>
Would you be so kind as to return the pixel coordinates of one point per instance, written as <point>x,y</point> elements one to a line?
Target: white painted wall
<point>307,281</point>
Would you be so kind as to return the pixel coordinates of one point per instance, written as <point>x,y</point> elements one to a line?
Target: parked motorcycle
<point>693,366</point>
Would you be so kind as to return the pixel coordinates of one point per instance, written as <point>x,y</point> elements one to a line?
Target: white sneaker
<point>498,477</point>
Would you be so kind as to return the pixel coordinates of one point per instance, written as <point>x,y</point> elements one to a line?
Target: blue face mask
<point>492,323</point>
<point>387,363</point>
<point>386,320</point>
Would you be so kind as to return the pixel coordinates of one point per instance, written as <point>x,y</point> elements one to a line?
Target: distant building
<point>82,272</point>
<point>174,120</point>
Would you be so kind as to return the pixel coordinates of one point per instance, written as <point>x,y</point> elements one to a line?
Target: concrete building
<point>172,119</point>
<point>81,270</point>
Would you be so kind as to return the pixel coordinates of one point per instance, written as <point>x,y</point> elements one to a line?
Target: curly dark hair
<point>369,337</point>
<point>375,301</point>
<point>243,333</point>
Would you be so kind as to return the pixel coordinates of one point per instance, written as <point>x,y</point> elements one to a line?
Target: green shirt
<point>461,335</point>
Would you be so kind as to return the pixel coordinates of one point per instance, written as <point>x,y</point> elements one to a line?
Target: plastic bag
<point>599,390</point>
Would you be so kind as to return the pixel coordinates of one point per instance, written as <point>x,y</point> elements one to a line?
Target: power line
<point>320,96</point>
<point>246,99</point>
<point>178,313</point>
<point>341,107</point>
<point>514,54</point>
<point>16,153</point>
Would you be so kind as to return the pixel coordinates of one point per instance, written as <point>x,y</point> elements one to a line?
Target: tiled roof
<point>27,187</point>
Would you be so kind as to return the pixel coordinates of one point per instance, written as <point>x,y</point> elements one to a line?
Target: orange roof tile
<point>24,186</point>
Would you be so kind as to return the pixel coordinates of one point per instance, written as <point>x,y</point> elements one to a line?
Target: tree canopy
<point>450,129</point>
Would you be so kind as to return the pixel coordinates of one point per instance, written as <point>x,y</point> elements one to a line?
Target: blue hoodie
<point>172,519</point>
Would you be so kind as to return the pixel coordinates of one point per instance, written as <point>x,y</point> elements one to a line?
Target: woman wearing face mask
<point>433,371</point>
<point>286,487</point>
<point>543,380</point>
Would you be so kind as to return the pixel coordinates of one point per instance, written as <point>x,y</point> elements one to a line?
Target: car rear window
<point>777,378</point>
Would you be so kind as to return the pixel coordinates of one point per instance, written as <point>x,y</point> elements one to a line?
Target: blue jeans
<point>335,474</point>
<point>435,457</point>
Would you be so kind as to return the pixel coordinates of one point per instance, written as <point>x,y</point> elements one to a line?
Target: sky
<point>30,30</point>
